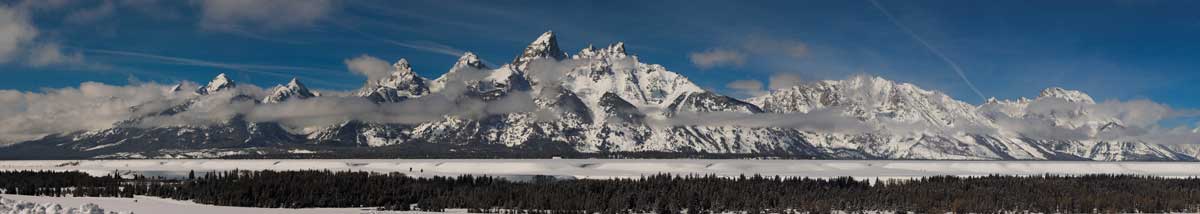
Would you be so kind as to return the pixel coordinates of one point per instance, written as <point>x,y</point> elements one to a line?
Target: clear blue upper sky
<point>1121,49</point>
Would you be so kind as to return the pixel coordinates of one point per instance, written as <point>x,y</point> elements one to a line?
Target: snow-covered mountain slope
<point>927,124</point>
<point>163,130</point>
<point>544,47</point>
<point>606,100</point>
<point>400,85</point>
<point>873,99</point>
<point>293,90</point>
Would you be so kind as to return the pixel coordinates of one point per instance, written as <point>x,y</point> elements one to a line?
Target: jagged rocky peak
<point>221,82</point>
<point>479,79</point>
<point>1068,95</point>
<point>615,50</point>
<point>544,47</point>
<point>293,90</point>
<point>872,98</point>
<point>402,74</point>
<point>469,60</point>
<point>400,85</point>
<point>402,77</point>
<point>401,67</point>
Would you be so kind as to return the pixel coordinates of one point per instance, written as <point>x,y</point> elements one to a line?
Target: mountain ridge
<point>604,100</point>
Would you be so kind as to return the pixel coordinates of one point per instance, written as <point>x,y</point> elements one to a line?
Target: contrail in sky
<point>427,46</point>
<point>914,35</point>
<point>251,68</point>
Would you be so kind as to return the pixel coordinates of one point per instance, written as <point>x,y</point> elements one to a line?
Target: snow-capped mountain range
<point>603,100</point>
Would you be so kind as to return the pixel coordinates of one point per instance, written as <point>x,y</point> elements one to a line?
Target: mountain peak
<point>221,82</point>
<point>469,59</point>
<point>544,47</point>
<point>401,71</point>
<point>401,84</point>
<point>402,65</point>
<point>872,98</point>
<point>616,50</point>
<point>295,83</point>
<point>618,47</point>
<point>294,89</point>
<point>547,37</point>
<point>1068,95</point>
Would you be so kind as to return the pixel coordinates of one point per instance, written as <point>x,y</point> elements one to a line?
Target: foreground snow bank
<point>146,205</point>
<point>17,206</point>
<point>623,168</point>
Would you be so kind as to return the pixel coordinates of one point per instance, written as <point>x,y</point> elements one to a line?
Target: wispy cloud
<point>717,57</point>
<point>739,53</point>
<point>91,15</point>
<point>752,88</point>
<point>17,32</point>
<point>21,41</point>
<point>369,66</point>
<point>263,14</point>
<point>239,31</point>
<point>746,88</point>
<point>953,65</point>
<point>422,45</point>
<point>784,80</point>
<point>52,54</point>
<point>428,46</point>
<point>385,10</point>
<point>188,61</point>
<point>249,68</point>
<point>778,47</point>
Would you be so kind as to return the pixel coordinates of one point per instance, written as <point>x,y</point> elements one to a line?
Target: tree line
<point>649,194</point>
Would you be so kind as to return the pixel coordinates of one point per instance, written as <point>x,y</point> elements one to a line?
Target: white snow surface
<point>626,168</point>
<point>8,205</point>
<point>153,205</point>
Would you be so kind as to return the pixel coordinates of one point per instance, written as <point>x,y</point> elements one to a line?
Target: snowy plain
<point>621,168</point>
<point>152,205</point>
<point>562,168</point>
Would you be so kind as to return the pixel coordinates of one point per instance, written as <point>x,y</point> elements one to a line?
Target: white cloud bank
<point>91,106</point>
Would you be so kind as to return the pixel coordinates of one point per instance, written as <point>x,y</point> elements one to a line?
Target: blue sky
<point>1110,49</point>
